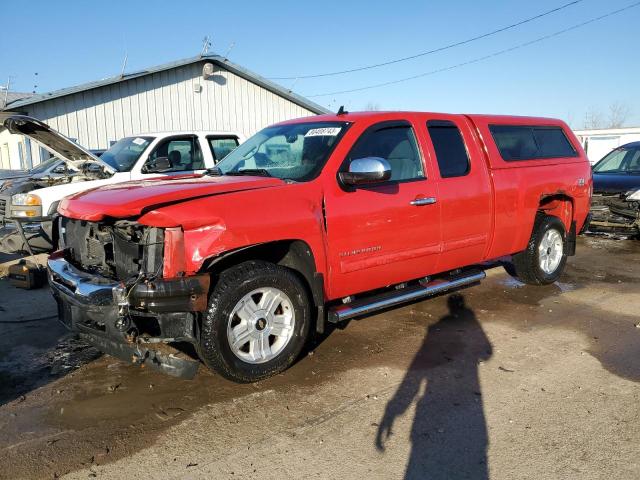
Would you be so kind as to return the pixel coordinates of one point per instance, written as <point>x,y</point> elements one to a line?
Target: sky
<point>69,42</point>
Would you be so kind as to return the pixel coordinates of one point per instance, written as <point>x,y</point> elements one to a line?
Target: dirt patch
<point>106,410</point>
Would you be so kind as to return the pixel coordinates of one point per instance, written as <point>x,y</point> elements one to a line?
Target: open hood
<point>73,154</point>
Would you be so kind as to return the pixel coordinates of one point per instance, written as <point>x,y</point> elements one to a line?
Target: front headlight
<point>26,205</point>
<point>26,200</point>
<point>634,196</point>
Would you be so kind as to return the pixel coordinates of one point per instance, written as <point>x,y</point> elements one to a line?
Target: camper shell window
<point>517,142</point>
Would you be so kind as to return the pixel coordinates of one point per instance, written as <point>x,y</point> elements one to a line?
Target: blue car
<point>616,191</point>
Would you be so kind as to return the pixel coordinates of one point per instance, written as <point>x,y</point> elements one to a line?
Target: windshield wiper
<point>259,172</point>
<point>214,171</point>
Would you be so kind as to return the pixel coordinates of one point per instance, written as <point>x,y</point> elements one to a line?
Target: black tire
<point>232,285</point>
<point>525,265</point>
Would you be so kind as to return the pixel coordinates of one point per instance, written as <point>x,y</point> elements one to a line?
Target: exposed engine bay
<point>25,185</point>
<point>122,250</point>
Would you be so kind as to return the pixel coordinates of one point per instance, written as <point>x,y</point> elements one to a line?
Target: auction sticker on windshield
<point>139,141</point>
<point>323,132</point>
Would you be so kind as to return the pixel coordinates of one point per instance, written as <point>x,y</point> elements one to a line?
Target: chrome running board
<point>391,298</point>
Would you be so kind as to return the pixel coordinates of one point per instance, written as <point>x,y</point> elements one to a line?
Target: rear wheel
<point>544,259</point>
<point>257,322</point>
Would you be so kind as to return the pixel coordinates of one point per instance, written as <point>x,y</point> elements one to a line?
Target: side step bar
<point>396,297</point>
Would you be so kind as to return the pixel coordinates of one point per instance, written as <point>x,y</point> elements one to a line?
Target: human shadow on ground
<point>449,433</point>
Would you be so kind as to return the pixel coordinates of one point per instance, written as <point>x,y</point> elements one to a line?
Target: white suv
<point>144,156</point>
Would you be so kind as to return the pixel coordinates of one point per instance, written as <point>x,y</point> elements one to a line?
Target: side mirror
<point>366,171</point>
<point>158,165</point>
<point>60,169</point>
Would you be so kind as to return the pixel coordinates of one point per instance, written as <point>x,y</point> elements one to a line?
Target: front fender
<point>218,224</point>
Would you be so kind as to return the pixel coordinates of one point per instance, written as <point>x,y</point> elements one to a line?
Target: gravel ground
<point>500,381</point>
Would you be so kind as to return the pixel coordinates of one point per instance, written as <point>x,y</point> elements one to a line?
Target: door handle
<point>418,202</point>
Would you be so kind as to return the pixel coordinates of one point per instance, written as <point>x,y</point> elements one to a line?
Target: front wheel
<point>544,259</point>
<point>257,322</point>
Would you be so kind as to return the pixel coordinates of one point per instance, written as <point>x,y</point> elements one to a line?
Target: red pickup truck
<point>315,220</point>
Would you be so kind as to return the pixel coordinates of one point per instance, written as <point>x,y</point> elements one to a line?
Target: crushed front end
<point>107,279</point>
<point>615,212</point>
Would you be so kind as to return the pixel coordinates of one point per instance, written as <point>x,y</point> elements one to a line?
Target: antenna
<point>206,45</point>
<point>226,55</point>
<point>6,90</point>
<point>124,64</point>
<point>342,111</point>
<point>293,84</point>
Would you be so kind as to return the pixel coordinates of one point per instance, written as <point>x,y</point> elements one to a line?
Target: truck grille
<point>114,251</point>
<point>3,208</point>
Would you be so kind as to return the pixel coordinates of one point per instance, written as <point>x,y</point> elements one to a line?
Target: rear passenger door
<point>464,195</point>
<point>388,232</point>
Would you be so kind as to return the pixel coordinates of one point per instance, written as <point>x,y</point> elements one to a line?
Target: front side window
<point>291,152</point>
<point>620,160</point>
<point>183,153</point>
<point>221,146</point>
<point>518,142</point>
<point>123,155</point>
<point>451,153</point>
<point>397,145</point>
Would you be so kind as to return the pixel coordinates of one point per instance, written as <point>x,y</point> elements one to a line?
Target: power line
<point>480,59</point>
<point>436,50</point>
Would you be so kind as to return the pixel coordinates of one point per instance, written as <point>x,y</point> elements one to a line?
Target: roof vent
<point>208,70</point>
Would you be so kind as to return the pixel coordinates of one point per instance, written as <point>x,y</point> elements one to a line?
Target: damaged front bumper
<point>135,324</point>
<point>615,214</point>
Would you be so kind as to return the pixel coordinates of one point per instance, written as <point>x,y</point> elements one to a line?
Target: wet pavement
<point>501,381</point>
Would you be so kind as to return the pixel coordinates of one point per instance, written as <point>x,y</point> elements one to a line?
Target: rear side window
<point>451,153</point>
<point>517,142</point>
<point>222,146</point>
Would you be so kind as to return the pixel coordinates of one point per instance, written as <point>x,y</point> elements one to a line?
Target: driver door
<point>389,232</point>
<point>184,154</point>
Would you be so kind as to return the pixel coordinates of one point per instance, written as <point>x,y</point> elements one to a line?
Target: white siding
<point>162,101</point>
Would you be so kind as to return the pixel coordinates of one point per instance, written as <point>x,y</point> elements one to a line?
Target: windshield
<point>44,166</point>
<point>123,154</point>
<point>290,152</point>
<point>621,160</point>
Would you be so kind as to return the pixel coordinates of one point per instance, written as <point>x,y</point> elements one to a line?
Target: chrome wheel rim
<point>550,251</point>
<point>261,325</point>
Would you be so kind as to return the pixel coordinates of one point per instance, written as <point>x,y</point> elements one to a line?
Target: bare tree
<point>372,107</point>
<point>618,115</point>
<point>593,119</point>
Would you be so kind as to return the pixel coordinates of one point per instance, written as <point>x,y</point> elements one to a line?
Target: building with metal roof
<point>598,142</point>
<point>7,97</point>
<point>206,92</point>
